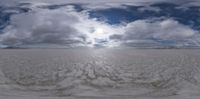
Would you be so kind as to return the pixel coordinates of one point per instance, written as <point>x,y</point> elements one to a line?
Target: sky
<point>102,23</point>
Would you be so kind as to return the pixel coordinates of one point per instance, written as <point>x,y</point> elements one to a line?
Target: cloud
<point>168,30</point>
<point>43,26</point>
<point>65,26</point>
<point>129,2</point>
<point>149,8</point>
<point>162,32</point>
<point>109,1</point>
<point>81,1</point>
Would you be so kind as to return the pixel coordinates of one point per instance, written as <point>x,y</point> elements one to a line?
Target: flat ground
<point>100,73</point>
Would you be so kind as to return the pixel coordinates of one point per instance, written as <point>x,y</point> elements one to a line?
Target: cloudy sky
<point>102,23</point>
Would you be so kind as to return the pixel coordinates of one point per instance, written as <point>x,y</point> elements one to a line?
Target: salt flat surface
<point>100,74</point>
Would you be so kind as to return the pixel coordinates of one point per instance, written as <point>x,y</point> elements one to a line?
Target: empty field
<point>100,73</point>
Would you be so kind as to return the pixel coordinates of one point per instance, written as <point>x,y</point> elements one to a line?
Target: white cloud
<point>149,8</point>
<point>43,26</point>
<point>144,31</point>
<point>63,26</point>
<point>66,27</point>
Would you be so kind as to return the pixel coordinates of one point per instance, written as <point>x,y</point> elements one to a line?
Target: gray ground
<point>100,73</point>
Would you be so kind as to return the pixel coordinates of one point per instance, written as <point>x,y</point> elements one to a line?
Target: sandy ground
<point>99,74</point>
